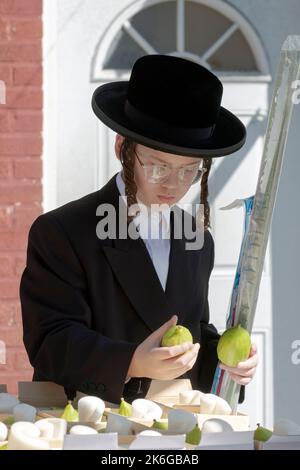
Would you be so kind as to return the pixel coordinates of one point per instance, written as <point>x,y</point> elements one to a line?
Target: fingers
<point>175,373</point>
<point>240,380</point>
<point>170,374</point>
<point>190,365</point>
<point>239,370</point>
<point>172,351</point>
<point>173,367</point>
<point>241,373</point>
<point>244,371</point>
<point>251,362</point>
<point>184,359</point>
<point>242,367</point>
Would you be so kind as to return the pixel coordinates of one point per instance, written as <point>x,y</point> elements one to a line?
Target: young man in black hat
<point>95,308</point>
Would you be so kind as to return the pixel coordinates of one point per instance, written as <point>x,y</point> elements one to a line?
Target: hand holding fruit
<point>237,355</point>
<point>163,362</point>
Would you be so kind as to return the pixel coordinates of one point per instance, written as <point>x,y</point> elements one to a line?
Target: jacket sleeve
<point>57,319</point>
<point>209,341</point>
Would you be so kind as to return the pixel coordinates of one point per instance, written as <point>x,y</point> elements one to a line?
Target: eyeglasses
<point>155,173</point>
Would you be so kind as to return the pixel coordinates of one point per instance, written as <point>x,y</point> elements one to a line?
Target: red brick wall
<point>20,167</point>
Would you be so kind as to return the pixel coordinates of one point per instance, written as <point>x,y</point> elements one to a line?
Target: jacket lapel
<point>134,269</point>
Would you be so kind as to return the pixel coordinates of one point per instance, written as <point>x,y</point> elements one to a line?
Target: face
<point>158,193</point>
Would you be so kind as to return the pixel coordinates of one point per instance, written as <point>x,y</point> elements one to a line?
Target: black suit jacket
<point>87,303</point>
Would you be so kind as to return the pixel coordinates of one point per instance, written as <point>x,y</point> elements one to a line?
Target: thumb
<point>158,334</point>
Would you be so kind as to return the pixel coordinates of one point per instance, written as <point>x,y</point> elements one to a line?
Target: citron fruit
<point>9,420</point>
<point>177,334</point>
<point>234,346</point>
<point>125,408</point>
<point>194,436</point>
<point>159,424</point>
<point>262,434</point>
<point>70,414</point>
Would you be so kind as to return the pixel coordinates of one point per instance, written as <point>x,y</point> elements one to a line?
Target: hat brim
<point>108,104</point>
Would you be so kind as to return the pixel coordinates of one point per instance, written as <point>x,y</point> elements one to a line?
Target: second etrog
<point>234,346</point>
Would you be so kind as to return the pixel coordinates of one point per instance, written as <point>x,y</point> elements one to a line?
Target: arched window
<point>211,33</point>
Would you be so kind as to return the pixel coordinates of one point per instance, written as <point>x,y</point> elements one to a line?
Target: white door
<point>97,41</point>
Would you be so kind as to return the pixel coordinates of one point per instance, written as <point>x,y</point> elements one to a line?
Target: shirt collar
<point>164,214</point>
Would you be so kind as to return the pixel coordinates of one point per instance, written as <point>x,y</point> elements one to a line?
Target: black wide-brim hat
<point>173,105</point>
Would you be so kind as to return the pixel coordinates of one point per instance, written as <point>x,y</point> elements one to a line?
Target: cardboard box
<point>50,400</point>
<point>166,394</point>
<point>44,394</point>
<point>47,395</point>
<point>167,391</point>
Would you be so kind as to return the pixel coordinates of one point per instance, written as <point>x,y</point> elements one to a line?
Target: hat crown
<point>173,105</point>
<point>174,90</point>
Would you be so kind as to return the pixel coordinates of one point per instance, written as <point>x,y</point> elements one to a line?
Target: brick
<point>20,193</point>
<point>9,289</point>
<point>7,314</point>
<point>18,313</point>
<point>11,52</point>
<point>19,264</point>
<point>11,382</point>
<point>27,75</point>
<point>6,218</point>
<point>29,168</point>
<point>16,359</point>
<point>23,97</point>
<point>3,93</point>
<point>20,30</point>
<point>4,123</point>
<point>6,359</point>
<point>6,74</point>
<point>4,30</point>
<point>2,354</point>
<point>10,241</point>
<point>21,145</point>
<point>24,216</point>
<point>11,336</point>
<point>20,361</point>
<point>5,169</point>
<point>26,121</point>
<point>6,267</point>
<point>21,7</point>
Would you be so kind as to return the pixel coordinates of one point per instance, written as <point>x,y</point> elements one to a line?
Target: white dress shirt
<point>154,229</point>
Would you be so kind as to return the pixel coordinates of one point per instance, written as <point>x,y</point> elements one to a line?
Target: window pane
<point>122,53</point>
<point>235,54</point>
<point>203,27</point>
<point>157,24</point>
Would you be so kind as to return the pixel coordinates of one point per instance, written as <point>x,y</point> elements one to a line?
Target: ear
<point>118,142</point>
